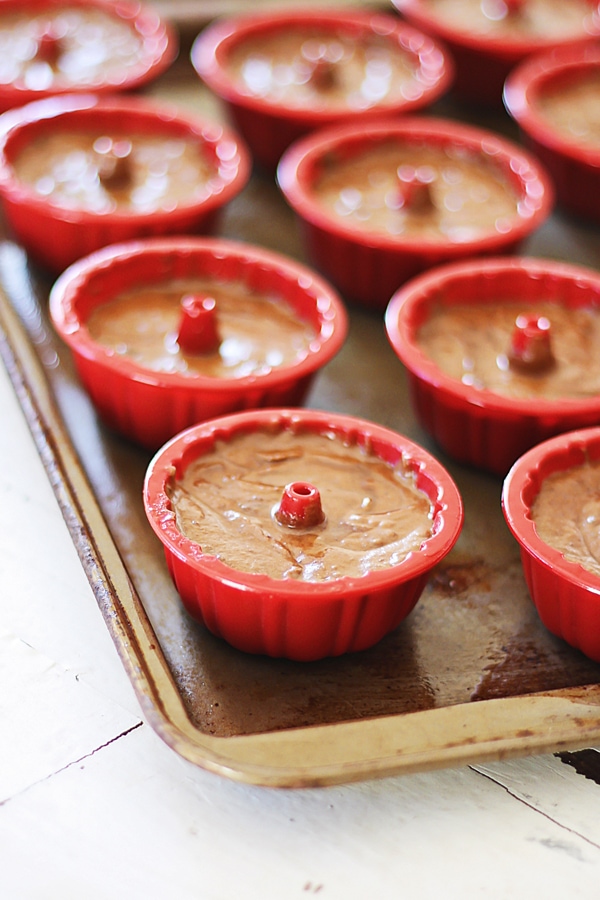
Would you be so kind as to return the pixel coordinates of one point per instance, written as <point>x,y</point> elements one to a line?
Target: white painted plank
<point>135,814</point>
<point>558,792</point>
<point>45,597</point>
<point>49,718</point>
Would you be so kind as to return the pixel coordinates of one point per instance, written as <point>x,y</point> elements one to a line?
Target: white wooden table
<point>94,805</point>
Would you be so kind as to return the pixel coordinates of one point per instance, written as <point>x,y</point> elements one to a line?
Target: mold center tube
<point>514,7</point>
<point>49,45</point>
<point>300,506</point>
<point>414,189</point>
<point>323,75</point>
<point>198,326</point>
<point>531,344</point>
<point>114,159</point>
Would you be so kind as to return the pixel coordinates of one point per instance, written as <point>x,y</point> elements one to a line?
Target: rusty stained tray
<point>471,675</point>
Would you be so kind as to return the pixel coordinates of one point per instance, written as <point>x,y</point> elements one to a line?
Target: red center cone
<point>531,345</point>
<point>198,327</point>
<point>300,506</point>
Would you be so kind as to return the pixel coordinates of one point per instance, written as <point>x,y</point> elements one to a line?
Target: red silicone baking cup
<point>148,406</point>
<point>368,267</point>
<point>574,167</point>
<point>158,40</point>
<point>478,427</point>
<point>484,61</point>
<point>55,235</point>
<point>288,618</point>
<point>566,596</point>
<point>270,126</point>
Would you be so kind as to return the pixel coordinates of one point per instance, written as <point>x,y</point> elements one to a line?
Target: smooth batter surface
<point>566,513</point>
<point>166,171</point>
<point>469,195</point>
<point>543,19</point>
<point>366,70</point>
<point>574,109</point>
<point>470,344</point>
<point>257,332</point>
<point>375,515</point>
<point>95,46</point>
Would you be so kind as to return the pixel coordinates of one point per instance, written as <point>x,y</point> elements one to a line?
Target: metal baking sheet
<point>471,675</point>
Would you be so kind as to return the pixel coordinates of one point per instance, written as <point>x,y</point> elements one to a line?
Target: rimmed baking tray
<point>471,675</point>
